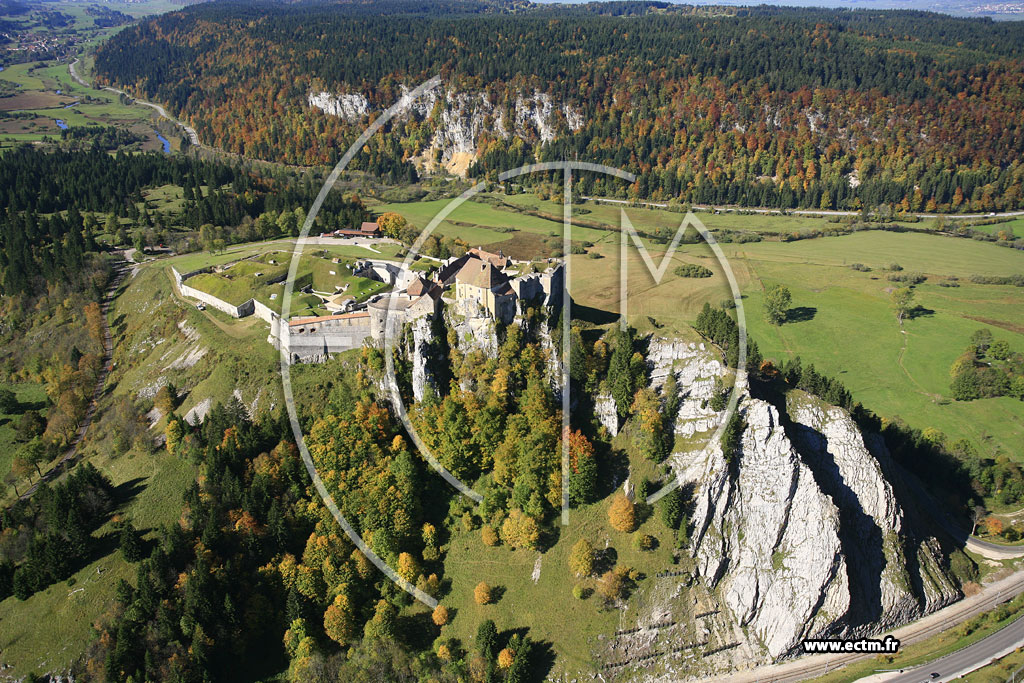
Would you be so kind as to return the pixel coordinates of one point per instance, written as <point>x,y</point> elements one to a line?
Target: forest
<point>63,214</point>
<point>826,109</point>
<point>48,213</point>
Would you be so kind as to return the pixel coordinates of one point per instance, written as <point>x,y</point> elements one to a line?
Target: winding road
<point>189,130</point>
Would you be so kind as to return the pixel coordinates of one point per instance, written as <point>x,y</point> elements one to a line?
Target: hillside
<point>772,107</point>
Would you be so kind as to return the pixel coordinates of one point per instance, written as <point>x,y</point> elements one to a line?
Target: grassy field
<point>76,105</point>
<point>546,606</point>
<point>251,279</point>
<point>284,246</point>
<point>653,219</point>
<point>1014,227</point>
<point>54,626</point>
<point>999,671</point>
<point>842,319</point>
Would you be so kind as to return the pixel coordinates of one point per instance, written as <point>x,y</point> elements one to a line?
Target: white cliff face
<point>805,536</point>
<point>466,116</point>
<point>351,107</point>
<point>890,587</point>
<point>607,415</point>
<point>421,338</point>
<point>769,539</point>
<point>695,369</point>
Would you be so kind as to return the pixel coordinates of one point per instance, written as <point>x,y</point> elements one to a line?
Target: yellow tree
<point>408,568</point>
<point>339,621</point>
<point>440,615</point>
<point>622,514</point>
<point>391,224</point>
<point>482,594</point>
<point>581,558</point>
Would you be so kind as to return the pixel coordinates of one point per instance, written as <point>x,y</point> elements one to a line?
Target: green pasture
<point>842,320</point>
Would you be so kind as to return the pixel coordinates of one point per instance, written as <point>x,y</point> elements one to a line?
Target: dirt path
<point>121,271</point>
<point>899,361</point>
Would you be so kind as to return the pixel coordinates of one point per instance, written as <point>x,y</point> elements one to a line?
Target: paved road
<point>799,212</point>
<point>811,666</point>
<point>952,666</point>
<point>189,130</point>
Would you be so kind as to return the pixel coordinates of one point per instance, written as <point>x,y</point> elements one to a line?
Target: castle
<point>479,284</point>
<point>485,285</point>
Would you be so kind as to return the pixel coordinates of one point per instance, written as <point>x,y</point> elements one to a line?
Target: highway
<point>960,663</point>
<point>979,654</point>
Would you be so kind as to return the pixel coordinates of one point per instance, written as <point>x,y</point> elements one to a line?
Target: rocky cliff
<point>457,120</point>
<point>805,534</point>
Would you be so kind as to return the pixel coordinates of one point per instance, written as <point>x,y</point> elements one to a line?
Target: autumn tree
<point>583,472</point>
<point>994,526</point>
<point>489,536</point>
<point>392,224</point>
<point>173,434</point>
<point>408,568</point>
<point>612,585</point>
<point>581,558</point>
<point>648,434</point>
<point>520,531</point>
<point>339,620</point>
<point>483,594</point>
<point>440,615</point>
<point>505,658</point>
<point>622,514</point>
<point>166,399</point>
<point>382,625</point>
<point>94,321</point>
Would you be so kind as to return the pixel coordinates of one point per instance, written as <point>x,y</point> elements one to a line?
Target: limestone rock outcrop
<point>800,532</point>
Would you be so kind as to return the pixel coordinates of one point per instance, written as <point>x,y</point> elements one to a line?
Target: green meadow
<point>842,321</point>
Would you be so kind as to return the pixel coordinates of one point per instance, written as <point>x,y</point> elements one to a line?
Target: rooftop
<point>481,274</point>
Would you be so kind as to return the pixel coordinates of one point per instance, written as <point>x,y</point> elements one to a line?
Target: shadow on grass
<point>919,312</point>
<point>592,315</point>
<point>801,314</point>
<point>126,491</point>
<point>417,630</point>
